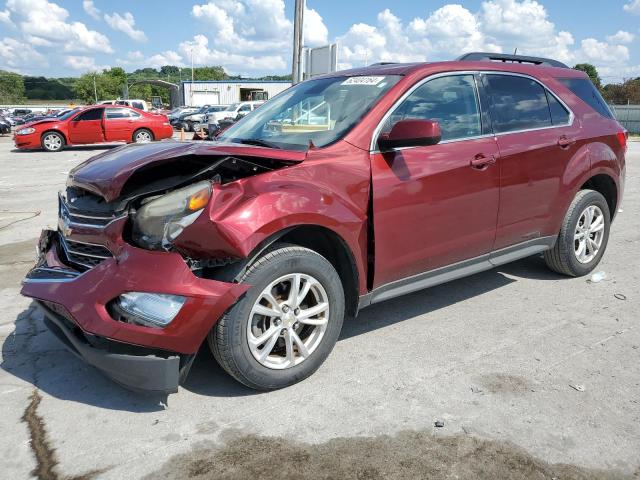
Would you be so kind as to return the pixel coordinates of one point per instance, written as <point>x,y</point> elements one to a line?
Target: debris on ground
<point>439,424</point>
<point>579,388</point>
<point>597,277</point>
<point>620,296</point>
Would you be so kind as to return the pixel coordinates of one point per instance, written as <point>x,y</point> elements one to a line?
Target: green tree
<point>591,71</point>
<point>11,87</point>
<point>109,85</point>
<point>623,93</point>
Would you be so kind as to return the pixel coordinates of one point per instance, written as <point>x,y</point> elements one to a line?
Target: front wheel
<point>583,236</point>
<point>53,141</point>
<point>286,324</point>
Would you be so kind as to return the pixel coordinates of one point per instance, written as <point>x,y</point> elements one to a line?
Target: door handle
<point>482,161</point>
<point>565,142</point>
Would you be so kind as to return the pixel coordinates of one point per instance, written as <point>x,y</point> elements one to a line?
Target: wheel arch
<point>318,238</point>
<point>606,186</point>
<point>55,130</point>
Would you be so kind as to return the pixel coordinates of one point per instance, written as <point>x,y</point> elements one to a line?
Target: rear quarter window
<point>587,92</point>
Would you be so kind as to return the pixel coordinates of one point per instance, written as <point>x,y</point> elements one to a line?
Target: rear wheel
<point>53,141</point>
<point>196,126</point>
<point>287,323</point>
<point>583,237</point>
<point>142,136</point>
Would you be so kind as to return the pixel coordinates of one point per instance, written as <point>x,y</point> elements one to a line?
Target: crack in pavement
<point>45,454</point>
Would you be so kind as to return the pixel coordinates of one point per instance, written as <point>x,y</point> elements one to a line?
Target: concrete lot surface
<point>534,376</point>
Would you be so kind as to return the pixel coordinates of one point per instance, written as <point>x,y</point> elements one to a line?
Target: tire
<point>186,126</point>
<point>564,257</point>
<point>142,135</point>
<point>52,141</point>
<point>229,339</point>
<point>196,126</point>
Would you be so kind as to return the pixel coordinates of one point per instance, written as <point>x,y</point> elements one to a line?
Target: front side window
<point>318,111</point>
<point>245,108</point>
<point>517,103</point>
<point>451,101</point>
<point>93,114</point>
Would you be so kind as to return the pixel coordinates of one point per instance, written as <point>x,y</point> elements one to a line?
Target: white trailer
<point>226,92</point>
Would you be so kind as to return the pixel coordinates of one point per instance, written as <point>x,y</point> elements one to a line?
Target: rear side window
<point>587,92</point>
<point>450,100</point>
<point>559,114</point>
<point>517,103</point>
<point>113,113</point>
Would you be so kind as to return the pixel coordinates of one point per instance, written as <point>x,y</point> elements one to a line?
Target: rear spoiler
<point>505,58</point>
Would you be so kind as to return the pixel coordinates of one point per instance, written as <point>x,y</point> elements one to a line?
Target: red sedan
<point>96,124</point>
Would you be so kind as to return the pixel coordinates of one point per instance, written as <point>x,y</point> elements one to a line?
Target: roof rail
<point>502,57</point>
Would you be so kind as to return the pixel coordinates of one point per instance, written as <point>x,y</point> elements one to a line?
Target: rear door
<point>436,205</point>
<point>536,138</point>
<point>120,123</point>
<point>86,127</point>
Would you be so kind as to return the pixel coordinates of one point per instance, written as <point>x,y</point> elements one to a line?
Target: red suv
<point>97,124</point>
<point>341,192</point>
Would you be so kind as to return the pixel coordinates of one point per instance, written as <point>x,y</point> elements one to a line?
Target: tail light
<point>622,139</point>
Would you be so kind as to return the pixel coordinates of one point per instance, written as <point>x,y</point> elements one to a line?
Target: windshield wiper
<point>258,142</point>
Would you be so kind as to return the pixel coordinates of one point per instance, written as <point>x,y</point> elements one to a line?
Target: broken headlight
<point>159,221</point>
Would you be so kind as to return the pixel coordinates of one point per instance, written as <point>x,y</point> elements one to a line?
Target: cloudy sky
<point>253,37</point>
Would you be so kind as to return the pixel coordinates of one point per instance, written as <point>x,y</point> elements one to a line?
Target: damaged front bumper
<point>77,308</point>
<point>148,373</point>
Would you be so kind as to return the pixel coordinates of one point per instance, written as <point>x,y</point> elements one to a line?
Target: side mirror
<point>411,133</point>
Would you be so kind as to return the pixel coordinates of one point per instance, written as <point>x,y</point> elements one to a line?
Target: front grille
<point>83,256</point>
<point>46,274</point>
<point>75,216</point>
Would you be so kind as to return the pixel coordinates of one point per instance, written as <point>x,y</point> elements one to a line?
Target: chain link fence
<point>628,116</point>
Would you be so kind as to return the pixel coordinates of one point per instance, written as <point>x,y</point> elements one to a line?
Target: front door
<point>436,205</point>
<point>86,127</point>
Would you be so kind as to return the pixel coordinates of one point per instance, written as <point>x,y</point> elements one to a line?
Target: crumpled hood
<point>106,174</point>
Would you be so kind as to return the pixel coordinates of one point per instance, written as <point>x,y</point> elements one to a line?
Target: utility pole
<point>191,86</point>
<point>296,73</point>
<point>95,90</point>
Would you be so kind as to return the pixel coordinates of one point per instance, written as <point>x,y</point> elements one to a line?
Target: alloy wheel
<point>52,142</point>
<point>288,321</point>
<point>589,233</point>
<point>143,137</point>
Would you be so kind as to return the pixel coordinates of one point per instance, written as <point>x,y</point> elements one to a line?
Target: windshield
<point>232,108</point>
<point>319,111</point>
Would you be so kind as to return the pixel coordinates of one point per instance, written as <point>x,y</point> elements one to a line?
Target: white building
<point>226,92</point>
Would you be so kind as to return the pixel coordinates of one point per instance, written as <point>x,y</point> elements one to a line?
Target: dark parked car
<point>348,190</point>
<point>5,125</point>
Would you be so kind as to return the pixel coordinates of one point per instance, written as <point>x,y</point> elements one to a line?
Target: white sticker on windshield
<point>362,81</point>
